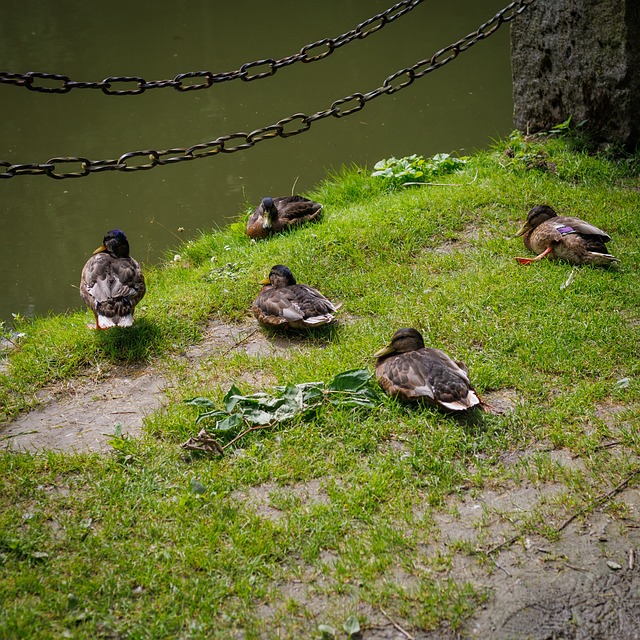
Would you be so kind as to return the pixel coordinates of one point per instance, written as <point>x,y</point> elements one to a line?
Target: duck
<point>112,282</point>
<point>274,215</point>
<point>563,238</point>
<point>285,304</point>
<point>411,372</point>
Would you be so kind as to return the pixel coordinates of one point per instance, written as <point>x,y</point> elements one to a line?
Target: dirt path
<point>584,586</point>
<point>81,416</point>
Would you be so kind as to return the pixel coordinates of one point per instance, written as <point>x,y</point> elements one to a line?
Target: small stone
<point>613,565</point>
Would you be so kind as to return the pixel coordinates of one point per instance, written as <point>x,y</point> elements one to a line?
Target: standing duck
<point>112,283</point>
<point>408,370</point>
<point>274,215</point>
<point>563,238</point>
<point>284,303</point>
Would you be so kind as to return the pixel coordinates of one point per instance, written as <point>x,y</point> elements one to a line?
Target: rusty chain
<point>249,71</point>
<point>284,128</point>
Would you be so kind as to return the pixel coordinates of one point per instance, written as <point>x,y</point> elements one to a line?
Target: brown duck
<point>563,238</point>
<point>408,370</point>
<point>286,304</point>
<point>112,283</point>
<point>274,215</point>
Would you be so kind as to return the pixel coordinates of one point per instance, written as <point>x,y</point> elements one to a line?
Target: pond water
<point>50,227</point>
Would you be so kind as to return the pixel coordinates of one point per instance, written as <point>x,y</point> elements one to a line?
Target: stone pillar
<point>578,58</point>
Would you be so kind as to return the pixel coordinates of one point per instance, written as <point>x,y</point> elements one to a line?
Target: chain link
<point>324,48</point>
<point>292,125</point>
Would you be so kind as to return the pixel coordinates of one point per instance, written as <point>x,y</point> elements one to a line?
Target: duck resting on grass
<point>563,238</point>
<point>411,372</point>
<point>274,215</point>
<point>284,303</point>
<point>112,283</point>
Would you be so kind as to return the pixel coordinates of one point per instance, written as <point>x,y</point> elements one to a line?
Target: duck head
<point>114,243</point>
<point>279,276</point>
<point>536,217</point>
<point>403,341</point>
<point>270,212</point>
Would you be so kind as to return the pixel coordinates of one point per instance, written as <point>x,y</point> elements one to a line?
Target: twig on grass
<point>238,343</point>
<point>403,631</point>
<point>594,503</point>
<point>246,431</point>
<point>600,499</point>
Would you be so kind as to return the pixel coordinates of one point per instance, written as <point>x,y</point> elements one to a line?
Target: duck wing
<point>294,209</point>
<point>428,374</point>
<point>566,225</point>
<point>298,305</point>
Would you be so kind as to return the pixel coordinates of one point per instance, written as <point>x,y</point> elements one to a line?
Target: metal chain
<point>285,128</point>
<point>204,79</point>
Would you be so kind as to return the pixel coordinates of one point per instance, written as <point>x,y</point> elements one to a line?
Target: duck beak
<point>265,281</point>
<point>100,249</point>
<point>385,351</point>
<point>266,220</point>
<point>525,227</point>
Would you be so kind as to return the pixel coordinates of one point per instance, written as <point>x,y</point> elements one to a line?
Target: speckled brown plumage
<point>408,370</point>
<point>563,238</point>
<point>274,215</point>
<point>284,303</point>
<point>112,283</point>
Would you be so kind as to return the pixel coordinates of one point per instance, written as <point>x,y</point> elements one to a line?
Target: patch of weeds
<point>522,154</point>
<point>416,169</point>
<point>351,627</point>
<point>125,446</point>
<point>243,414</point>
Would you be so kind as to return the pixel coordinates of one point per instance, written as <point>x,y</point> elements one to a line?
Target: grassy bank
<point>341,505</point>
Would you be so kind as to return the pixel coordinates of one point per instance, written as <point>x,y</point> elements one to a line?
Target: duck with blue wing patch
<point>563,238</point>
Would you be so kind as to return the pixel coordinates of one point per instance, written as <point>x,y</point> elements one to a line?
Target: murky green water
<point>50,227</point>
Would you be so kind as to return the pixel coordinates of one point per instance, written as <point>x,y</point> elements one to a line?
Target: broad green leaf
<point>230,422</point>
<point>327,631</point>
<point>285,412</point>
<point>257,416</point>
<point>312,396</point>
<point>350,380</point>
<point>351,626</point>
<point>203,403</point>
<point>216,414</point>
<point>231,398</point>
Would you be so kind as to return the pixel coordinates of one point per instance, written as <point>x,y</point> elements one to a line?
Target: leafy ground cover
<point>333,522</point>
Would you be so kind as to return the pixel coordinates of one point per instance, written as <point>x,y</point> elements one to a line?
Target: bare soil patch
<point>81,415</point>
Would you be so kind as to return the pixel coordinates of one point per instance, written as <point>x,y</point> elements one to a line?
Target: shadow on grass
<point>321,336</point>
<point>131,344</point>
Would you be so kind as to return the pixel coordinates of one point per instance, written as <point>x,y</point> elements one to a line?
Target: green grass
<point>122,546</point>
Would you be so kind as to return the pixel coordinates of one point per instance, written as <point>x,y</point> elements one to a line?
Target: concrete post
<point>578,58</point>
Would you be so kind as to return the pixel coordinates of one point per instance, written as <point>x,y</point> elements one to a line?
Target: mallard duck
<point>112,283</point>
<point>408,370</point>
<point>273,215</point>
<point>563,238</point>
<point>284,303</point>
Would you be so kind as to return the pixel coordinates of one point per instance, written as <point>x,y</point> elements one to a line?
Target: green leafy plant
<point>415,168</point>
<point>351,626</point>
<point>263,410</point>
